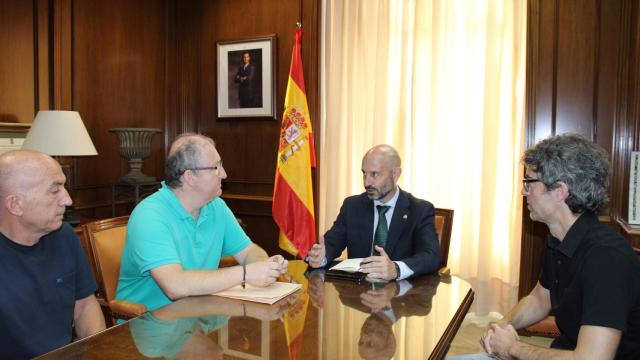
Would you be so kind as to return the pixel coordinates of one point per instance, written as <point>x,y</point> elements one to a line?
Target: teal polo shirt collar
<point>175,204</point>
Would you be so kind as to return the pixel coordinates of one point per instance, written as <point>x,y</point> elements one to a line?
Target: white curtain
<point>443,82</point>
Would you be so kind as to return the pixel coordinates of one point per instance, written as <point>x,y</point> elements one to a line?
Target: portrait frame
<point>247,88</point>
<point>226,340</point>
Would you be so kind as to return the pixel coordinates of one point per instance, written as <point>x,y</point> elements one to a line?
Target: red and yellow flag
<point>293,193</point>
<point>296,314</point>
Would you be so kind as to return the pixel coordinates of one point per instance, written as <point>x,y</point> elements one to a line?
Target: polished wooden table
<point>410,319</point>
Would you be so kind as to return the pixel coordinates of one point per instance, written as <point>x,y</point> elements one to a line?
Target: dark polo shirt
<point>40,286</point>
<point>594,279</point>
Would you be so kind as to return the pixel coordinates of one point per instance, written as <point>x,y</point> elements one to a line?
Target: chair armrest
<point>102,301</point>
<point>123,309</point>
<point>546,328</point>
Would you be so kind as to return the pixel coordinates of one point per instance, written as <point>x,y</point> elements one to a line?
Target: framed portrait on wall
<point>246,77</point>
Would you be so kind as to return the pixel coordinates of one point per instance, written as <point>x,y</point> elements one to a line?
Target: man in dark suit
<point>245,80</point>
<point>407,247</point>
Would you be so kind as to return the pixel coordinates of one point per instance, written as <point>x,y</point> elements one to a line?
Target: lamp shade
<point>59,133</point>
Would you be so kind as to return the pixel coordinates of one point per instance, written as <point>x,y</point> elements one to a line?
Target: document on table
<point>265,295</point>
<point>348,265</point>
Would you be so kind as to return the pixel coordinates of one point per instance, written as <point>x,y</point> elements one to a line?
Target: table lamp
<point>60,133</point>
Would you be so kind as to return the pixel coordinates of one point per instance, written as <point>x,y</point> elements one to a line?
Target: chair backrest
<point>86,248</point>
<point>444,224</point>
<point>107,238</point>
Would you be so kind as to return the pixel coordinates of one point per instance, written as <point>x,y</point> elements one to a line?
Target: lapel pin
<point>404,216</point>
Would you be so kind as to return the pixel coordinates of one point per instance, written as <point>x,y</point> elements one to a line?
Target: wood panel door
<point>580,55</point>
<point>24,64</point>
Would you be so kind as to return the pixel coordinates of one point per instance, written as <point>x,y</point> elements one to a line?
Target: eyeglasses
<point>526,182</point>
<point>202,168</point>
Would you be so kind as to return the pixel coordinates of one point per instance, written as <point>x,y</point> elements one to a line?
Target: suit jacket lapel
<point>398,221</point>
<point>367,225</point>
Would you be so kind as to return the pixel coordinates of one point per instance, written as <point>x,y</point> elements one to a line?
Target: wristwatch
<point>397,270</point>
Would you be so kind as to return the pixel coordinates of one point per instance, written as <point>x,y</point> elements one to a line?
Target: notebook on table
<point>265,295</point>
<point>347,270</point>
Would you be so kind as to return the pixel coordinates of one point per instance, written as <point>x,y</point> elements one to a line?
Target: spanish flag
<point>293,193</point>
<point>296,314</point>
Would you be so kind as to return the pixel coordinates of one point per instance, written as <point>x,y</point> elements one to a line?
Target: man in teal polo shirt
<point>176,237</point>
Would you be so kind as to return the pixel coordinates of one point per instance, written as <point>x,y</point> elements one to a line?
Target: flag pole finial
<point>299,24</point>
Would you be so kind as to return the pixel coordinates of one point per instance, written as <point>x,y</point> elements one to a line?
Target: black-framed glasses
<point>203,168</point>
<point>527,181</point>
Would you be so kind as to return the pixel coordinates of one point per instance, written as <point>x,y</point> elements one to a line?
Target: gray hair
<point>577,162</point>
<point>185,154</point>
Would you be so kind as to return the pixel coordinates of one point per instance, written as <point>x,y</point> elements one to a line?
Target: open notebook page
<point>265,295</point>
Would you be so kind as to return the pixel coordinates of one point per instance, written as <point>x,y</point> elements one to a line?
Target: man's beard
<point>382,193</point>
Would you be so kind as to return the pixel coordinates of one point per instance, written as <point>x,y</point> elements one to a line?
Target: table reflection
<point>178,339</point>
<point>187,328</point>
<point>386,303</point>
<point>408,319</point>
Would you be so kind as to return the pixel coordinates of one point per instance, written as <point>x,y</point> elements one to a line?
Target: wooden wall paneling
<point>634,96</point>
<point>24,67</point>
<point>542,26</point>
<point>540,110</point>
<point>151,64</point>
<point>249,146</point>
<point>312,22</point>
<point>634,91</point>
<point>186,72</point>
<point>246,141</point>
<point>573,70</point>
<point>255,215</point>
<point>607,74</point>
<point>118,80</point>
<point>622,139</point>
<point>62,55</point>
<point>17,77</point>
<point>575,55</point>
<point>44,97</point>
<point>79,55</point>
<point>633,103</point>
<point>171,90</point>
<point>627,138</point>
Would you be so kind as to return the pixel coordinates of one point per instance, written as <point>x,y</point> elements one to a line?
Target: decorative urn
<point>135,145</point>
